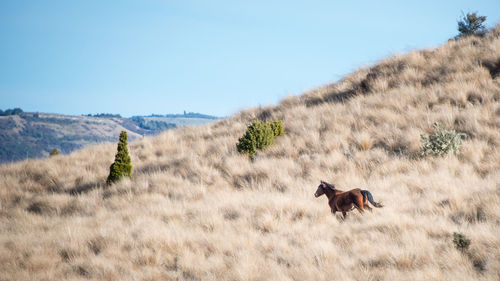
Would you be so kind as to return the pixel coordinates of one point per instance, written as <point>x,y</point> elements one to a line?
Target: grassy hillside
<point>34,135</point>
<point>180,121</point>
<point>198,210</point>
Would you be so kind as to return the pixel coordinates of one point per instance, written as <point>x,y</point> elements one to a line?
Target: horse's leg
<point>368,207</point>
<point>358,202</point>
<point>338,219</point>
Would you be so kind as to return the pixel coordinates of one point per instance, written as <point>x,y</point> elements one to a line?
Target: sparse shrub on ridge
<point>7,112</point>
<point>259,135</point>
<point>122,166</point>
<point>441,142</point>
<point>54,152</point>
<point>471,24</point>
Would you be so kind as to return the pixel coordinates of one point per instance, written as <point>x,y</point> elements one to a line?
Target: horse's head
<point>321,188</point>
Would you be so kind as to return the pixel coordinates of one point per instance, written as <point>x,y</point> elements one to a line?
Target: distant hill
<point>33,135</point>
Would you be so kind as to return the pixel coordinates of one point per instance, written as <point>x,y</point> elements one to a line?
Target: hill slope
<point>34,135</point>
<point>198,210</point>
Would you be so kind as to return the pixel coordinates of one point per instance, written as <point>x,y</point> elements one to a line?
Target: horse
<point>345,201</point>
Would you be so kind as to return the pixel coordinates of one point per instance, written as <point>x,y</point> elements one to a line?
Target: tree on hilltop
<point>54,152</point>
<point>122,166</point>
<point>471,24</point>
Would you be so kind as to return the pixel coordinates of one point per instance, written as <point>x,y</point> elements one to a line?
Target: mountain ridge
<point>34,134</point>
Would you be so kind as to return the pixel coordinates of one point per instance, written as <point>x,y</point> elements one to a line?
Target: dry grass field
<point>198,210</point>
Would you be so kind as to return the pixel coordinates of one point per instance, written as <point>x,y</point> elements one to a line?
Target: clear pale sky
<point>215,57</point>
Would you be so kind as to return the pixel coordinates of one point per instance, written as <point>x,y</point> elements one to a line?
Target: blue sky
<point>215,57</point>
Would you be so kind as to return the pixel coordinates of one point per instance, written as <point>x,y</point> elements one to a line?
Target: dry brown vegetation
<point>198,210</point>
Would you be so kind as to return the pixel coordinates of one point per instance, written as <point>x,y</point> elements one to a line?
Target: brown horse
<point>345,201</point>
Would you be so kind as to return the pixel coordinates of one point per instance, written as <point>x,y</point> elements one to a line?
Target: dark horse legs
<point>344,214</point>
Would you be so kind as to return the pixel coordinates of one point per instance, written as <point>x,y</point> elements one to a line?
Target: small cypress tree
<point>122,166</point>
<point>471,24</point>
<point>54,152</point>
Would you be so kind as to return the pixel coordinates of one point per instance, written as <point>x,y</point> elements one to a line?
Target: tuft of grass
<point>366,143</point>
<point>40,208</point>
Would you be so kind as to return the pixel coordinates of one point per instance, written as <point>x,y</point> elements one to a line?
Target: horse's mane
<point>331,186</point>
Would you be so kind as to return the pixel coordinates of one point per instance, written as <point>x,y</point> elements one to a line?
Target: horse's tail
<point>367,194</point>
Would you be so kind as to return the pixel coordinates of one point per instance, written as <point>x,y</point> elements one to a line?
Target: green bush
<point>441,142</point>
<point>461,242</point>
<point>122,166</point>
<point>277,126</point>
<point>259,135</point>
<point>471,24</point>
<point>54,152</point>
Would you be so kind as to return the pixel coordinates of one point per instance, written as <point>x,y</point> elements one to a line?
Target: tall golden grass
<point>198,210</point>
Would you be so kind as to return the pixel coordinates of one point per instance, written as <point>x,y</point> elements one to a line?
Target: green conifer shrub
<point>54,152</point>
<point>441,142</point>
<point>122,166</point>
<point>259,135</point>
<point>471,24</point>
